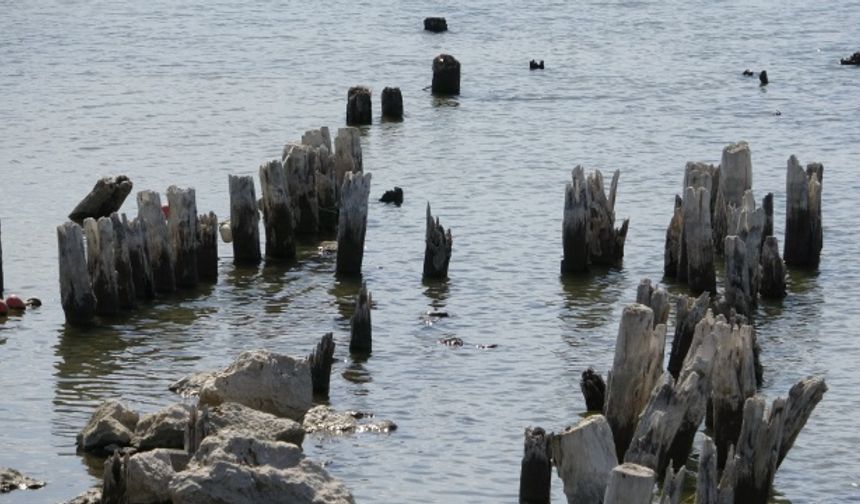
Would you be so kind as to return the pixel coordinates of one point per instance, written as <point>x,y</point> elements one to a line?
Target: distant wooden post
<point>733,381</point>
<point>605,243</point>
<point>1,262</point>
<point>446,75</point>
<point>302,186</point>
<point>102,265</point>
<point>735,180</point>
<point>245,221</point>
<point>535,468</point>
<point>630,484</point>
<point>207,247</point>
<point>672,249</point>
<point>437,249</point>
<point>358,106</point>
<point>593,389</point>
<point>157,240</point>
<point>124,270</point>
<point>138,252</point>
<point>320,361</point>
<point>352,224</point>
<point>182,229</point>
<point>584,456</point>
<point>361,338</point>
<point>76,292</point>
<point>773,270</point>
<point>574,231</point>
<point>698,240</point>
<point>435,24</point>
<point>278,217</point>
<point>105,198</point>
<point>392,104</point>
<point>803,232</point>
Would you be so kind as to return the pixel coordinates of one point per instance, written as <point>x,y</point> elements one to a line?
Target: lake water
<point>187,93</point>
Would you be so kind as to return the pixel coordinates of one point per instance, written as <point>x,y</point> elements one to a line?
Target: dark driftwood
<point>76,292</point>
<point>358,106</point>
<point>574,232</point>
<point>245,220</point>
<point>105,198</point>
<point>446,75</point>
<point>352,224</point>
<point>393,196</point>
<point>157,241</point>
<point>320,361</point>
<point>735,179</point>
<point>605,242</point>
<point>655,298</point>
<point>182,229</point>
<point>733,381</point>
<point>584,455</point>
<point>361,337</point>
<point>767,205</point>
<point>630,484</point>
<point>302,186</point>
<point>672,250</point>
<point>772,270</point>
<point>435,24</point>
<point>803,232</point>
<point>207,247</point>
<point>535,469</point>
<point>697,240</point>
<point>688,313</point>
<point>392,104</point>
<point>437,249</point>
<point>114,479</point>
<point>138,253</point>
<point>126,293</point>
<point>277,212</point>
<point>101,264</point>
<point>593,389</point>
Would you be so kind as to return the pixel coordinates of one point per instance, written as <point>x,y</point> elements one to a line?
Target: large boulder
<point>149,474</point>
<point>163,429</point>
<point>257,424</point>
<point>10,479</point>
<point>112,423</point>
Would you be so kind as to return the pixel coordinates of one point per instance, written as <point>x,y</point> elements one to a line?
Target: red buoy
<point>165,209</point>
<point>15,303</point>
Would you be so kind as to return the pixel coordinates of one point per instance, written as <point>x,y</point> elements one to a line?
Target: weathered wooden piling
<point>735,179</point>
<point>802,399</point>
<point>126,294</point>
<point>630,484</point>
<point>393,196</point>
<point>392,104</point>
<point>105,198</point>
<point>157,241</point>
<point>593,389</point>
<point>575,226</point>
<point>302,186</point>
<point>697,240</point>
<point>688,313</point>
<point>698,174</point>
<point>245,220</point>
<point>672,250</point>
<point>360,330</point>
<point>138,253</point>
<point>76,292</point>
<point>772,270</point>
<point>115,479</point>
<point>278,216</point>
<point>584,455</point>
<point>535,468</point>
<point>655,298</point>
<point>673,486</point>
<point>437,249</point>
<point>320,361</point>
<point>636,368</point>
<point>358,106</point>
<point>322,164</point>
<point>605,242</point>
<point>320,137</point>
<point>737,283</point>
<point>747,223</point>
<point>207,247</point>
<point>1,261</point>
<point>435,24</point>
<point>803,232</point>
<point>182,228</point>
<point>102,265</point>
<point>446,75</point>
<point>758,449</point>
<point>347,155</point>
<point>352,223</point>
<point>767,205</point>
<point>708,491</point>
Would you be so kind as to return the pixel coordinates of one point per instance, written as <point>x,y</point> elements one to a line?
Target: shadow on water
<point>444,101</point>
<point>437,291</point>
<point>590,298</point>
<point>345,291</point>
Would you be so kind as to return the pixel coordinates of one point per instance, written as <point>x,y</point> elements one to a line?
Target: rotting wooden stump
<point>138,253</point>
<point>352,224</point>
<point>593,389</point>
<point>360,330</point>
<point>392,104</point>
<point>605,242</point>
<point>735,179</point>
<point>435,24</point>
<point>347,156</point>
<point>708,490</point>
<point>437,249</point>
<point>126,293</point>
<point>207,247</point>
<point>278,217</point>
<point>803,232</point>
<point>584,456</point>
<point>737,282</point>
<point>302,186</point>
<point>182,229</point>
<point>767,205</point>
<point>197,428</point>
<point>688,313</point>
<point>535,468</point>
<point>319,137</point>
<point>446,75</point>
<point>574,231</point>
<point>320,361</point>
<point>245,220</point>
<point>772,270</point>
<point>102,265</point>
<point>105,198</point>
<point>115,479</point>
<point>733,382</point>
<point>636,369</point>
<point>697,241</point>
<point>157,241</point>
<point>696,175</point>
<point>747,223</point>
<point>76,292</point>
<point>1,261</point>
<point>655,298</point>
<point>393,196</point>
<point>630,484</point>
<point>673,486</point>
<point>672,250</point>
<point>358,106</point>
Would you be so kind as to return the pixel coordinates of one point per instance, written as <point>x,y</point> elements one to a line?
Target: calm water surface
<point>187,93</point>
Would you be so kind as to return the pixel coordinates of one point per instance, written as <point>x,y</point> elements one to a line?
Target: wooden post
<point>105,198</point>
<point>320,361</point>
<point>278,217</point>
<point>802,399</point>
<point>138,253</point>
<point>126,293</point>
<point>358,106</point>
<point>392,104</point>
<point>655,298</point>
<point>605,243</point>
<point>360,330</point>
<point>698,174</point>
<point>757,450</point>
<point>182,227</point>
<point>435,24</point>
<point>630,484</point>
<point>437,249</point>
<point>157,241</point>
<point>102,265</point>
<point>672,250</point>
<point>320,137</point>
<point>115,479</point>
<point>803,233</point>
<point>673,486</point>
<point>735,179</point>
<point>207,247</point>
<point>446,75</point>
<point>325,176</point>
<point>773,270</point>
<point>352,223</point>
<point>76,292</point>
<point>535,468</point>
<point>347,155</point>
<point>737,293</point>
<point>1,261</point>
<point>708,491</point>
<point>636,368</point>
<point>767,205</point>
<point>747,223</point>
<point>574,231</point>
<point>245,220</point>
<point>302,186</point>
<point>584,455</point>
<point>393,196</point>
<point>593,389</point>
<point>688,312</point>
<point>733,381</point>
<point>697,239</point>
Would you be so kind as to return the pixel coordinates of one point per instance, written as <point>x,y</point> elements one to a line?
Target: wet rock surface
<point>257,424</point>
<point>10,480</point>
<point>324,419</point>
<point>111,425</point>
<point>163,429</point>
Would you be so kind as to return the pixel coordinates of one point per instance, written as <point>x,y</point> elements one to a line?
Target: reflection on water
<point>437,292</point>
<point>590,298</point>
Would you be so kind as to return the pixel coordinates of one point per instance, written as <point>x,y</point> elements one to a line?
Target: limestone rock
<point>325,419</point>
<point>10,479</point>
<point>111,424</point>
<point>263,426</point>
<point>163,429</point>
<point>149,475</point>
<point>91,496</point>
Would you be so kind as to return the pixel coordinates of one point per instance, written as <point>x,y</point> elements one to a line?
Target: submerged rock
<point>10,479</point>
<point>112,423</point>
<point>325,419</point>
<point>163,429</point>
<point>393,196</point>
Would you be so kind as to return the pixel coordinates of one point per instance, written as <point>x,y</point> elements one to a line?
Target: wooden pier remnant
<point>772,270</point>
<point>319,137</point>
<point>182,229</point>
<point>126,293</point>
<point>584,456</point>
<point>535,468</point>
<point>320,361</point>
<point>277,211</point>
<point>76,292</point>
<point>672,250</point>
<point>101,264</point>
<point>435,24</point>
<point>358,106</point>
<point>655,298</point>
<point>1,260</point>
<point>437,249</point>
<point>737,288</point>
<point>803,233</point>
<point>245,222</point>
<point>321,162</point>
<point>574,231</point>
<point>392,104</point>
<point>138,253</point>
<point>697,241</point>
<point>630,484</point>
<point>302,186</point>
<point>735,179</point>
<point>446,75</point>
<point>767,205</point>
<point>352,224</point>
<point>593,389</point>
<point>157,241</point>
<point>361,333</point>
<point>688,313</point>
<point>605,242</point>
<point>347,155</point>
<point>105,198</point>
<point>207,247</point>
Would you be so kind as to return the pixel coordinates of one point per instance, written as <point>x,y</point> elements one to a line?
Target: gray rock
<point>257,424</point>
<point>163,429</point>
<point>10,479</point>
<point>189,385</point>
<point>91,496</point>
<point>149,475</point>
<point>325,419</point>
<point>239,448</point>
<point>112,423</point>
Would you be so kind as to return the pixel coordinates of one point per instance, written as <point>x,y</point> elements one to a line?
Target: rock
<point>163,429</point>
<point>190,385</point>
<point>149,474</point>
<point>91,496</point>
<point>325,419</point>
<point>263,426</point>
<point>394,196</point>
<point>435,24</point>
<point>111,424</point>
<point>854,59</point>
<point>10,479</point>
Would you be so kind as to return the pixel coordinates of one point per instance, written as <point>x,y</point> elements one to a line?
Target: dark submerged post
<point>435,24</point>
<point>361,340</point>
<point>535,469</point>
<point>244,220</point>
<point>358,106</point>
<point>446,75</point>
<point>772,270</point>
<point>437,250</point>
<point>392,104</point>
<point>593,389</point>
<point>320,361</point>
<point>207,247</point>
<point>803,233</point>
<point>574,230</point>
